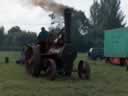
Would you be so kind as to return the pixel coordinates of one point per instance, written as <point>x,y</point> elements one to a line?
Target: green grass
<point>106,80</point>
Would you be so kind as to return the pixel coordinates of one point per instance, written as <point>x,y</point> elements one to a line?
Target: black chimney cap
<point>67,10</point>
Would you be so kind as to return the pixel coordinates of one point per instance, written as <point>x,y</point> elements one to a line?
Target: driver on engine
<point>43,40</point>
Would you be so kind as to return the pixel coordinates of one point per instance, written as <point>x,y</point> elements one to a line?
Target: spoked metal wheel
<point>28,59</point>
<point>33,63</point>
<point>33,68</point>
<point>28,66</point>
<point>51,69</point>
<point>84,70</point>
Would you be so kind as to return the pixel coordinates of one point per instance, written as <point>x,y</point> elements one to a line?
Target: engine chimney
<point>67,20</point>
<point>69,52</point>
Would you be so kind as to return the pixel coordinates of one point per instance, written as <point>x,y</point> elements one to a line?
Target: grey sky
<point>17,12</point>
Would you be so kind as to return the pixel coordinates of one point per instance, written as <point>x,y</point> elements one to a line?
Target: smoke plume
<point>50,5</point>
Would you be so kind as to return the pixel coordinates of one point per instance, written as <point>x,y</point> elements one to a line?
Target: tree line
<point>15,38</point>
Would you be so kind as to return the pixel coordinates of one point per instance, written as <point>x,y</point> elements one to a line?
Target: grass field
<point>106,80</point>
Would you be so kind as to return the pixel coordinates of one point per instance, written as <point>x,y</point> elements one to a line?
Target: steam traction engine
<point>36,62</point>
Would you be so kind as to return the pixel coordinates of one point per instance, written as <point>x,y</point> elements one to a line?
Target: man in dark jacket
<point>43,40</point>
<point>43,35</point>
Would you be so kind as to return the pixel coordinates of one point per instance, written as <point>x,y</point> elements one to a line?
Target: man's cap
<point>42,28</point>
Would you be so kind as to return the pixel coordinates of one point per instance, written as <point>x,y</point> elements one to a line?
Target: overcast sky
<point>18,12</point>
